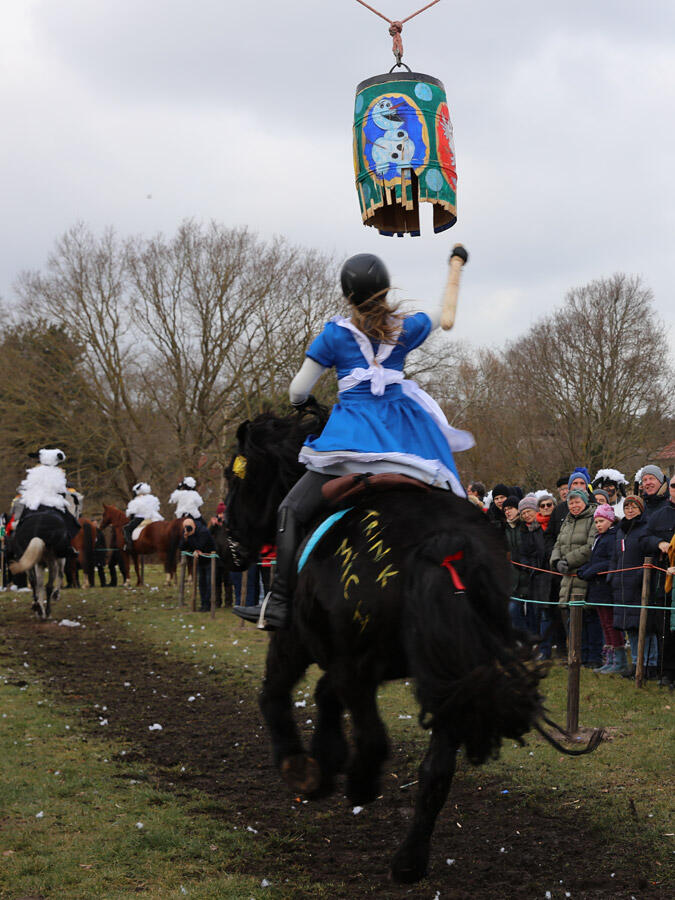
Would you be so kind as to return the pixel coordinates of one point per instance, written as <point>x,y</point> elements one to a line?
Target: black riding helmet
<point>363,276</point>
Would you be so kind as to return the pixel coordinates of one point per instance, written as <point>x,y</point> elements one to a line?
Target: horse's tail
<point>474,674</point>
<point>32,554</point>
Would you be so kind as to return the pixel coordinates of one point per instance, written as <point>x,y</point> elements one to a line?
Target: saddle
<point>136,533</point>
<point>346,487</point>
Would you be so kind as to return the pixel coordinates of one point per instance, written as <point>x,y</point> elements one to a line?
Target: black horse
<point>405,584</point>
<point>40,547</point>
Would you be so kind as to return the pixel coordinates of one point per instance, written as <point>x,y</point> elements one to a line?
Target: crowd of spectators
<point>589,545</point>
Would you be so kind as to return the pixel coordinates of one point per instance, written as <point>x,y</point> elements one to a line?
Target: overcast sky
<point>139,113</point>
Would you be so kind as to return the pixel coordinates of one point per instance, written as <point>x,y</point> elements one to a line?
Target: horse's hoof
<point>409,864</point>
<point>301,773</point>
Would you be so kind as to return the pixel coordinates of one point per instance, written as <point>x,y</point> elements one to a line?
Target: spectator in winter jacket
<point>550,623</point>
<point>560,511</point>
<point>573,549</point>
<point>627,585</point>
<point>573,545</point>
<point>495,513</point>
<point>533,554</point>
<point>545,507</point>
<point>197,539</point>
<point>654,486</point>
<point>477,489</point>
<point>656,543</point>
<point>595,572</point>
<point>519,583</point>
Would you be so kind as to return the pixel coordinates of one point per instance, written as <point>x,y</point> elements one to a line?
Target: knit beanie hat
<point>562,480</point>
<point>500,489</point>
<point>601,495</point>
<point>577,492</point>
<point>638,501</point>
<point>653,470</point>
<point>510,501</point>
<point>579,472</point>
<point>605,511</point>
<point>529,502</point>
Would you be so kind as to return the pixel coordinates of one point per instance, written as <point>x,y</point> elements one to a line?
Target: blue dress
<point>381,422</point>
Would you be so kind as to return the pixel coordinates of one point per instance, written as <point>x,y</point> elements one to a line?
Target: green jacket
<point>574,544</point>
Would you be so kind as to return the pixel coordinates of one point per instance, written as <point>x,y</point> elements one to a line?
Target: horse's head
<point>261,473</point>
<point>111,516</point>
<point>105,517</point>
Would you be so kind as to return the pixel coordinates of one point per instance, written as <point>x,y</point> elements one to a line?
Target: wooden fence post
<point>194,583</point>
<point>642,633</point>
<point>213,587</point>
<point>181,581</point>
<point>574,666</point>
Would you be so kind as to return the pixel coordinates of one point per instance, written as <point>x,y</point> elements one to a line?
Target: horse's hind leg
<point>329,747</point>
<point>370,737</point>
<point>56,571</point>
<point>40,592</point>
<point>287,661</point>
<point>435,776</point>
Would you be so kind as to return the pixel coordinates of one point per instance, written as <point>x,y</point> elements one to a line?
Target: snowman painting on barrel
<point>394,132</point>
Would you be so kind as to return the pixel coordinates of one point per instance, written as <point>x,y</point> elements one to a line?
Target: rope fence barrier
<point>608,572</point>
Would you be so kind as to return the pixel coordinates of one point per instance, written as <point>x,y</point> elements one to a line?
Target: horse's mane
<point>275,440</point>
<point>270,443</point>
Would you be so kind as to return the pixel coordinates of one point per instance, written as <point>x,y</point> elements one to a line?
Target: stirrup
<point>263,609</point>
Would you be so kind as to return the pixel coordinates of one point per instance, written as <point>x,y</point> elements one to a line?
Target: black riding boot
<point>127,530</point>
<point>274,613</point>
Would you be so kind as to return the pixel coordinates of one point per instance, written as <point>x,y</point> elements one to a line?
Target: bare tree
<point>179,338</point>
<point>83,292</point>
<point>227,319</point>
<point>594,375</point>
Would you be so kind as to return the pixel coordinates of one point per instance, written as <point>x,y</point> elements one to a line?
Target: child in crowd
<point>595,572</point>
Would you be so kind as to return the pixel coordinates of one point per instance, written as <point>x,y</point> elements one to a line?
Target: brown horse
<point>84,542</point>
<point>161,538</point>
<point>114,520</point>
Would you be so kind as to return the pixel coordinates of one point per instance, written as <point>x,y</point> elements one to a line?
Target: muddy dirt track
<point>220,740</point>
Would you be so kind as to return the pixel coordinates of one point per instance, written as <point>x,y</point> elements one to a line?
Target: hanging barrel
<point>404,152</point>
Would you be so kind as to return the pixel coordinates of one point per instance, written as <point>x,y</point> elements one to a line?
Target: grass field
<point>95,804</point>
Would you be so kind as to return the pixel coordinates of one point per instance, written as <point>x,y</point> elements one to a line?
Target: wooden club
<point>457,259</point>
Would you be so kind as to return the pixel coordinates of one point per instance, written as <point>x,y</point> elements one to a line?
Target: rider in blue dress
<point>382,422</point>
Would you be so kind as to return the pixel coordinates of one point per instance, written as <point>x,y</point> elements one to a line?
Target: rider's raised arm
<point>433,310</point>
<point>304,381</point>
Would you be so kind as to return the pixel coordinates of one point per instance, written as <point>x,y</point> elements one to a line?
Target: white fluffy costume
<point>45,484</point>
<point>603,476</point>
<point>188,501</point>
<point>144,504</point>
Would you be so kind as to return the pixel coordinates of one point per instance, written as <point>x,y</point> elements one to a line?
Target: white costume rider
<point>187,500</point>
<point>144,506</point>
<point>45,484</point>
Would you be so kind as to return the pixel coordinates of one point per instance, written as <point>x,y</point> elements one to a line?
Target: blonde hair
<point>378,320</point>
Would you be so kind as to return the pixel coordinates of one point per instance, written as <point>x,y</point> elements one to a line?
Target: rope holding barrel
<point>396,28</point>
